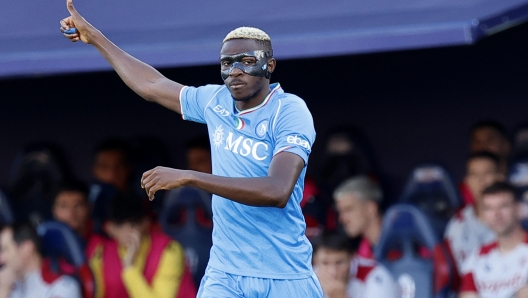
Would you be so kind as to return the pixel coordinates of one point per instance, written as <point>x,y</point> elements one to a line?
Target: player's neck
<point>373,231</point>
<point>508,242</point>
<point>255,100</point>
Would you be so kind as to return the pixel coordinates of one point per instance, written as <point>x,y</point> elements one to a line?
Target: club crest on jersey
<point>262,128</point>
<point>218,136</point>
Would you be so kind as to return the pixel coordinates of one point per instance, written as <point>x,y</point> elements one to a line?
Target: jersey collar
<point>275,88</point>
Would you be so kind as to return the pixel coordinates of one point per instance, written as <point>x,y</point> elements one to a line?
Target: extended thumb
<point>71,9</point>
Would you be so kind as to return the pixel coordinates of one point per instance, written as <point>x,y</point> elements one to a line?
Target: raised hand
<point>83,29</point>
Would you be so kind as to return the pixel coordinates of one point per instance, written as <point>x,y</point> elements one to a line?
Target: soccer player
<point>466,231</point>
<point>499,269</point>
<point>261,138</point>
<point>344,274</point>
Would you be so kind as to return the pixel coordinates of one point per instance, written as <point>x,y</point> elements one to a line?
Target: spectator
<point>466,230</point>
<point>358,202</point>
<point>198,155</point>
<point>491,136</point>
<point>24,274</point>
<point>71,207</point>
<point>37,172</point>
<point>344,274</point>
<point>138,262</point>
<point>113,163</point>
<point>499,269</point>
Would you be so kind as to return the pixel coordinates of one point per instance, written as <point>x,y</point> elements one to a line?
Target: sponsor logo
<point>262,128</point>
<point>245,146</point>
<point>296,140</point>
<point>221,111</point>
<point>218,136</point>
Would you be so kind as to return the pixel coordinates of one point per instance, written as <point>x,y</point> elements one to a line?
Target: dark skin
<point>273,190</point>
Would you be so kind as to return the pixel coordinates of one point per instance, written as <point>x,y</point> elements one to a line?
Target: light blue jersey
<point>264,242</point>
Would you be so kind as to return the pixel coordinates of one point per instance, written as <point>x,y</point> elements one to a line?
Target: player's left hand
<point>162,178</point>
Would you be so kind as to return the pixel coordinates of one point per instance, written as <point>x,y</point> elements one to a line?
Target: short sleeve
<point>194,101</point>
<point>293,128</point>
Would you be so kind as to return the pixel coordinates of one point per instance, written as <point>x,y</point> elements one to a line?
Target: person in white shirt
<point>24,274</point>
<point>466,231</point>
<point>498,269</point>
<point>344,274</point>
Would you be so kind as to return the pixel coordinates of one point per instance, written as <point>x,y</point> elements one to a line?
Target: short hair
<point>114,144</point>
<point>335,240</point>
<point>366,188</point>
<point>250,33</point>
<point>486,155</point>
<point>126,209</point>
<point>496,126</point>
<point>501,187</point>
<point>23,232</point>
<point>73,186</point>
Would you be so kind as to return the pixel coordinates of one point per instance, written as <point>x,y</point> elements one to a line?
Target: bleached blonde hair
<point>248,33</point>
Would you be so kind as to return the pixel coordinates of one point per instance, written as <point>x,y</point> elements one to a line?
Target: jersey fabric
<point>492,274</point>
<point>465,233</point>
<point>264,242</point>
<point>46,284</point>
<point>368,279</point>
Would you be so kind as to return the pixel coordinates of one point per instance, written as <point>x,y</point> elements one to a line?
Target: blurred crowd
<point>104,238</point>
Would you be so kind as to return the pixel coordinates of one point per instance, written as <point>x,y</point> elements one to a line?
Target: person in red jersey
<point>344,274</point>
<point>498,269</point>
<point>466,231</point>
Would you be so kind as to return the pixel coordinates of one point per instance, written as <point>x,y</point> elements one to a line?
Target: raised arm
<point>273,190</point>
<point>142,78</point>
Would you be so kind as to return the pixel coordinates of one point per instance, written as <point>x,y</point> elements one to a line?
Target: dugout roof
<point>168,33</point>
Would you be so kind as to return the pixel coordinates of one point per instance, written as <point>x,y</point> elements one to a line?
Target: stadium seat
<point>6,214</point>
<point>412,252</point>
<point>187,217</point>
<point>63,249</point>
<point>431,188</point>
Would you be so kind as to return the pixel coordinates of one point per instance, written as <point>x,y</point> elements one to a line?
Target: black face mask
<point>257,69</point>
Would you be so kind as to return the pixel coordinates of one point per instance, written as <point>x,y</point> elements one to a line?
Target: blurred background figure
<point>346,154</point>
<point>24,273</point>
<point>138,261</point>
<point>112,163</point>
<point>36,175</point>
<point>112,174</point>
<point>358,201</point>
<point>344,274</point>
<point>466,231</point>
<point>498,269</point>
<point>488,135</point>
<point>71,207</point>
<point>198,154</point>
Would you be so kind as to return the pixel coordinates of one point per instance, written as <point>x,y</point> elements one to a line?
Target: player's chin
<point>240,96</point>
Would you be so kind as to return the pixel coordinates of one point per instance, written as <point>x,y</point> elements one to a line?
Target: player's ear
<point>272,63</point>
